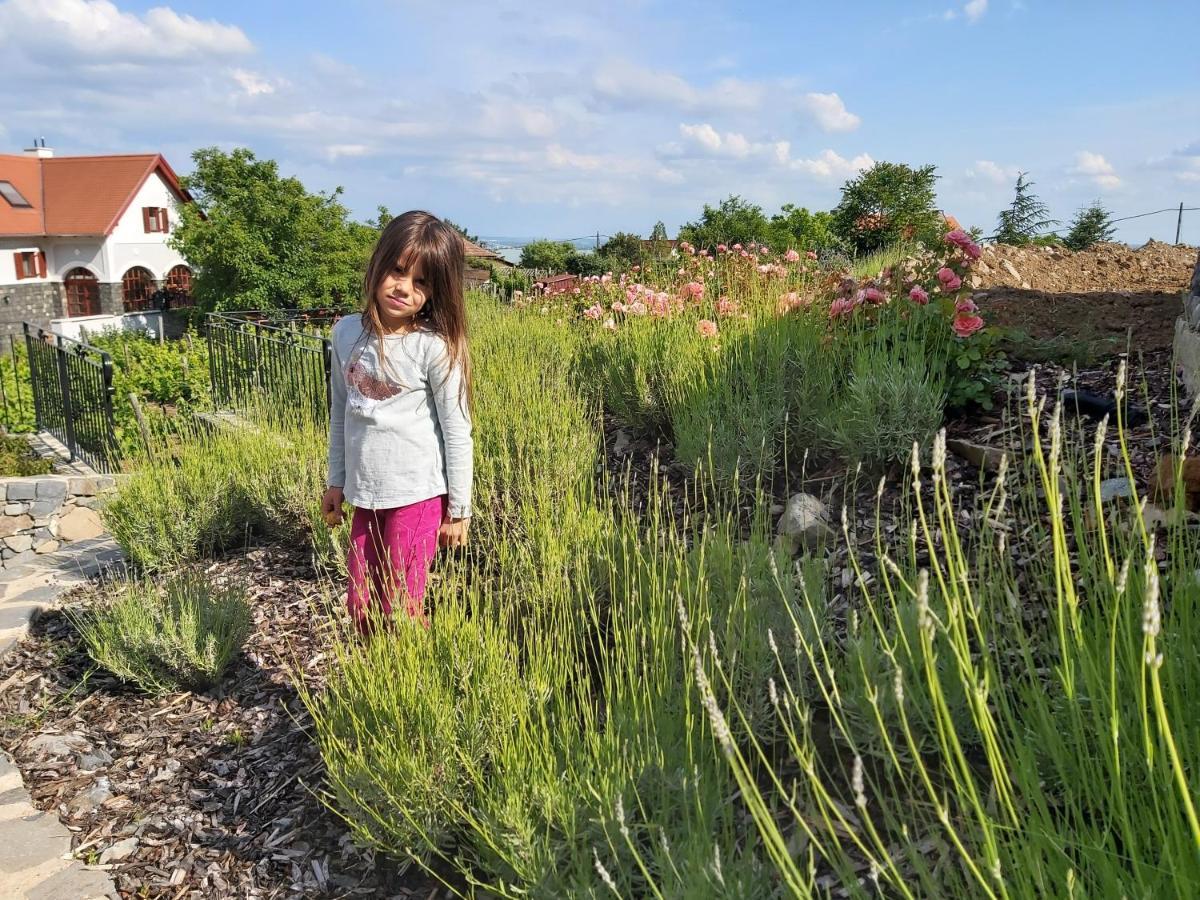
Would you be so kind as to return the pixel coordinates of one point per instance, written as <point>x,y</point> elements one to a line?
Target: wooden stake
<point>142,427</point>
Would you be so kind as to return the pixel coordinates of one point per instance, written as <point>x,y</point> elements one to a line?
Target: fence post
<point>38,413</point>
<point>327,356</point>
<point>64,383</point>
<point>1179,224</point>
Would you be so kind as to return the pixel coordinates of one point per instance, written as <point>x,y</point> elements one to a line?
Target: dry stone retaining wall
<point>1187,335</point>
<point>41,513</point>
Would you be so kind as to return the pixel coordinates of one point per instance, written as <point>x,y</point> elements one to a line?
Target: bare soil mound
<point>1095,296</point>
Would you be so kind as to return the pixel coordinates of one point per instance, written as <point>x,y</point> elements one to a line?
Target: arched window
<point>83,293</point>
<point>178,284</point>
<point>137,287</point>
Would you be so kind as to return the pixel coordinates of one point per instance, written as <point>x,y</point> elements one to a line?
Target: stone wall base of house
<point>37,302</point>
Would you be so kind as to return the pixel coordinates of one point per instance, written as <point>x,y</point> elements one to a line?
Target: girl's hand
<point>453,532</point>
<point>331,506</point>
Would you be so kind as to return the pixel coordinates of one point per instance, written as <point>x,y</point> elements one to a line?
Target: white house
<point>83,239</point>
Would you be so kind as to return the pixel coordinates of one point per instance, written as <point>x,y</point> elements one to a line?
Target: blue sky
<point>562,119</point>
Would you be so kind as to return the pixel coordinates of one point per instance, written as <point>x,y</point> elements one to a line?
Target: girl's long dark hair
<point>421,236</point>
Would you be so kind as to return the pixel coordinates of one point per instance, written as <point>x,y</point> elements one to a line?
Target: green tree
<point>622,251</point>
<point>794,227</point>
<point>659,232</point>
<point>1025,219</point>
<point>887,204</point>
<point>1092,224</point>
<point>474,239</point>
<point>257,240</point>
<point>734,221</point>
<point>549,255</point>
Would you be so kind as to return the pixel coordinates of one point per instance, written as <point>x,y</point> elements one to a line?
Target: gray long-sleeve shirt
<point>399,432</point>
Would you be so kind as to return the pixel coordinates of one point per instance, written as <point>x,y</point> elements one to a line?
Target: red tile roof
<point>74,195</point>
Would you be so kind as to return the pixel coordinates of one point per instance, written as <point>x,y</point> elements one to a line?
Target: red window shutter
<point>19,265</point>
<point>41,264</point>
<point>162,219</point>
<point>146,219</point>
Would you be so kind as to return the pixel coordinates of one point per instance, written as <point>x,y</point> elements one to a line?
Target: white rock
<point>1010,269</point>
<point>119,851</point>
<point>59,744</point>
<point>804,523</point>
<point>92,797</point>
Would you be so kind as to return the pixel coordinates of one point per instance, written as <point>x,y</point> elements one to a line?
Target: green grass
<point>633,692</point>
<point>18,459</point>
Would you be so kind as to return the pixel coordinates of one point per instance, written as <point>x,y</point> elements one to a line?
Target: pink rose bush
<point>706,328</point>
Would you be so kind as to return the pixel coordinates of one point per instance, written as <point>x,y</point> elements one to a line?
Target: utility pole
<point>598,237</point>
<point>1179,223</point>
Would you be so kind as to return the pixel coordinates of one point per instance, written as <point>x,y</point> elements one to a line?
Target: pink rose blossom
<point>965,306</point>
<point>594,312</point>
<point>950,281</point>
<point>737,246</point>
<point>963,242</point>
<point>726,307</point>
<point>721,248</point>
<point>637,268</point>
<point>636,308</point>
<point>706,328</point>
<point>791,256</point>
<point>811,254</point>
<point>694,290</point>
<point>874,295</point>
<point>842,306</point>
<point>966,325</point>
<point>918,295</point>
<point>764,269</point>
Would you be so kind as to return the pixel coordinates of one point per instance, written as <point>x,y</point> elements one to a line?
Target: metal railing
<point>72,386</point>
<point>273,361</point>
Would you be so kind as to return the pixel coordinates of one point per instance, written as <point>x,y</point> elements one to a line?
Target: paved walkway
<point>35,848</point>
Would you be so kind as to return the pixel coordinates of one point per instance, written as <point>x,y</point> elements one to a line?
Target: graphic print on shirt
<point>365,387</point>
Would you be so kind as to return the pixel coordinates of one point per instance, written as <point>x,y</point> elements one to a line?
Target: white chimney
<point>40,150</point>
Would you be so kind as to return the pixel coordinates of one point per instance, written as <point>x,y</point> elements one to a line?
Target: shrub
<point>890,403</point>
<point>220,490</point>
<point>181,635</point>
<point>18,459</point>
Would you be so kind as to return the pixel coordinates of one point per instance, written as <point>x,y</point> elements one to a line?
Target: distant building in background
<point>480,261</point>
<point>83,240</point>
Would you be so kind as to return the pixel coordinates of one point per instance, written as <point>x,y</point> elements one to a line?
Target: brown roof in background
<point>26,176</point>
<point>473,249</point>
<point>78,194</point>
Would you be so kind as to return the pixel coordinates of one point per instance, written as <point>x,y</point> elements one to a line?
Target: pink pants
<point>390,552</point>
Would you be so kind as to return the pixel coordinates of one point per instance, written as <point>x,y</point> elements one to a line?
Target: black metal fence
<point>272,362</point>
<point>72,386</point>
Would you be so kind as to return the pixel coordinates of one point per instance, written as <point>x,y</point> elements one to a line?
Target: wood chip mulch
<point>191,795</point>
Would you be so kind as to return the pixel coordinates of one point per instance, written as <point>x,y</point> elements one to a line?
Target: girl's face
<point>401,294</point>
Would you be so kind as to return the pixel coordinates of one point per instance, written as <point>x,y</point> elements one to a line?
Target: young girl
<point>400,449</point>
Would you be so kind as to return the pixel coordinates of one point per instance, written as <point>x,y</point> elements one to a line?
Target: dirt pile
<point>1097,296</point>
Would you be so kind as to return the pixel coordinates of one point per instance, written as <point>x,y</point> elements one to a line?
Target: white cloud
<point>1096,167</point>
<point>731,144</point>
<point>625,84</point>
<point>974,10</point>
<point>994,172</point>
<point>334,152</point>
<point>251,83</point>
<point>830,112</point>
<point>97,31</point>
<point>830,166</point>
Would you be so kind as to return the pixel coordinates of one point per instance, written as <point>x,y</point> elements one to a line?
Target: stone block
<point>47,507</point>
<point>80,524</point>
<point>105,483</point>
<point>13,524</point>
<point>45,547</point>
<point>41,534</point>
<point>15,509</point>
<point>52,489</point>
<point>18,559</point>
<point>19,543</point>
<point>90,502</point>
<point>83,487</point>
<point>21,490</point>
